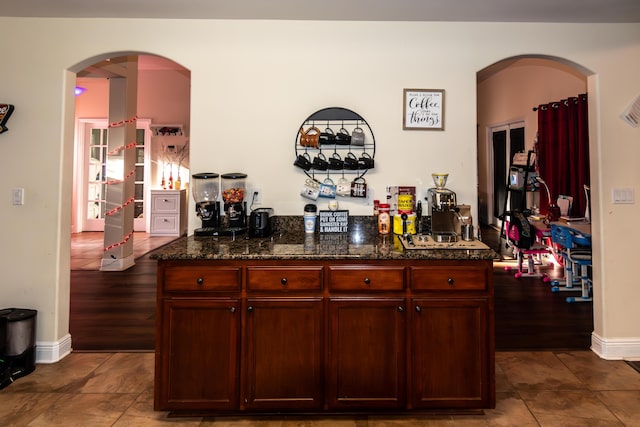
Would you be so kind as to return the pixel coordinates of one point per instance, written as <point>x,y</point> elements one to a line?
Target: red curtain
<point>563,151</point>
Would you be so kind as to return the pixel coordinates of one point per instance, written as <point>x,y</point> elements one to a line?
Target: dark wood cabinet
<point>367,362</point>
<point>199,355</point>
<point>324,335</point>
<point>283,354</point>
<point>449,353</point>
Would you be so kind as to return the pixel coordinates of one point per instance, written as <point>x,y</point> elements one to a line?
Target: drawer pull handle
<point>250,308</point>
<point>418,308</point>
<point>283,281</point>
<point>200,281</point>
<point>367,281</point>
<point>450,281</point>
<point>233,309</point>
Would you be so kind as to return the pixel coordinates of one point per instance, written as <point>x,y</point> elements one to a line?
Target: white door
<point>93,142</point>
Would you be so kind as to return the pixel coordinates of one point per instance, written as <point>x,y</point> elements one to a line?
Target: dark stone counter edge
<point>361,242</point>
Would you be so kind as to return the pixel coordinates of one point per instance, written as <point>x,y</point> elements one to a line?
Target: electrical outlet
<point>17,196</point>
<point>256,197</point>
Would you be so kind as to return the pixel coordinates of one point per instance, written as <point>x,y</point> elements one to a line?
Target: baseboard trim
<point>53,351</point>
<point>117,264</point>
<point>616,348</point>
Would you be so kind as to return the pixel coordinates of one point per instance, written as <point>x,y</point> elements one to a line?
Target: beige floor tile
<point>122,373</point>
<point>581,405</point>
<point>510,411</point>
<point>66,376</point>
<point>537,371</point>
<point>502,382</point>
<point>141,413</point>
<point>624,404</point>
<point>82,410</point>
<point>600,374</point>
<point>411,421</point>
<point>19,409</point>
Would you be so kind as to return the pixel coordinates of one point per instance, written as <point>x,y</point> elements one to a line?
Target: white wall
<point>254,82</point>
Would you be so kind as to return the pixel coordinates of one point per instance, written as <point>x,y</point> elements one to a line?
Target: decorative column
<point>121,142</point>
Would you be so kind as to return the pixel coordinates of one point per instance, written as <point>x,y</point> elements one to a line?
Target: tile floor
<point>533,389</point>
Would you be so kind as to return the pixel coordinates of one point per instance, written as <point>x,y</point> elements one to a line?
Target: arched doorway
<point>507,92</point>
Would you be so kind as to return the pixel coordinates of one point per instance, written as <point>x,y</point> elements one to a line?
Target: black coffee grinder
<point>235,208</point>
<point>205,188</point>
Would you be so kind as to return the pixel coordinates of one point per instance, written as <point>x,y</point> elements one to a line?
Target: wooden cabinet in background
<point>168,213</point>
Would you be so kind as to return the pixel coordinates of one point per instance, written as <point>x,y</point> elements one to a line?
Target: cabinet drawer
<point>439,278</point>
<point>169,203</point>
<point>165,224</point>
<point>200,279</point>
<point>366,278</point>
<point>293,278</point>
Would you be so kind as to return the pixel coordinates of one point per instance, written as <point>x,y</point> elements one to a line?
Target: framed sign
<point>423,109</point>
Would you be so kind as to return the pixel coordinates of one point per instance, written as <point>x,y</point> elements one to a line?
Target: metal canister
<point>405,203</point>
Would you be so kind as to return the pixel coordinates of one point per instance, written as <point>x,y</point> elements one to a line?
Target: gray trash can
<point>17,344</point>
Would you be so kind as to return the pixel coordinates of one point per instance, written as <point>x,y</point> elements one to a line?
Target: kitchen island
<point>332,323</point>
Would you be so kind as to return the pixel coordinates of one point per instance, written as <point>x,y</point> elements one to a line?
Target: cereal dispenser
<point>235,208</point>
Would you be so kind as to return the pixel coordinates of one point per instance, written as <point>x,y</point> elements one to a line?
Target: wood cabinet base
<point>324,337</point>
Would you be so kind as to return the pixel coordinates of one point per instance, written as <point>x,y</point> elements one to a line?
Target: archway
<point>507,92</point>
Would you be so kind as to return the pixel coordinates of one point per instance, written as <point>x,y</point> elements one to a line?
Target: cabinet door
<point>367,353</point>
<point>284,356</point>
<point>450,354</point>
<point>199,355</point>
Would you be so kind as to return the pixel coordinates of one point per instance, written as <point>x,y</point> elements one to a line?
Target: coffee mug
<point>343,188</point>
<point>320,162</point>
<point>303,161</point>
<point>365,161</point>
<point>328,189</point>
<point>359,188</point>
<point>327,137</point>
<point>351,161</point>
<point>310,189</point>
<point>335,162</point>
<point>343,137</point>
<point>357,136</point>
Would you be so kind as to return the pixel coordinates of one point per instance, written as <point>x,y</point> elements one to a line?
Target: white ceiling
<point>364,10</point>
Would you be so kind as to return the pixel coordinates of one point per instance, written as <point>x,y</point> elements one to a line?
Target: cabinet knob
<point>367,281</point>
<point>450,281</point>
<point>232,309</point>
<point>283,281</point>
<point>418,308</point>
<point>165,200</point>
<point>400,308</point>
<point>200,281</point>
<point>250,308</point>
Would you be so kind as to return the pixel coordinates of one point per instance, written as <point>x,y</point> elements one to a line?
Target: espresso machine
<point>441,209</point>
<point>205,190</point>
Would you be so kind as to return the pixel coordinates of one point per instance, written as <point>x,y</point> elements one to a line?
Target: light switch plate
<point>17,196</point>
<point>623,196</point>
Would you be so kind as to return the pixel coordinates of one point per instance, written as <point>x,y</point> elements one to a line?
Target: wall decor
<point>5,113</point>
<point>423,109</point>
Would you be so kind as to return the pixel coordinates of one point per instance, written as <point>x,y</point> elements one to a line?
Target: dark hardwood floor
<point>115,311</point>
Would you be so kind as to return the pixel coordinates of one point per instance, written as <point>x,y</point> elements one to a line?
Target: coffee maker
<point>205,189</point>
<point>441,208</point>
<point>235,208</point>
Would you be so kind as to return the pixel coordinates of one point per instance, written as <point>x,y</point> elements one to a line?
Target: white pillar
<point>118,223</point>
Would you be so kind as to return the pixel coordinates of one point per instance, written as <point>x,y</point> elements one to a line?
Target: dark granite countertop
<point>289,241</point>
